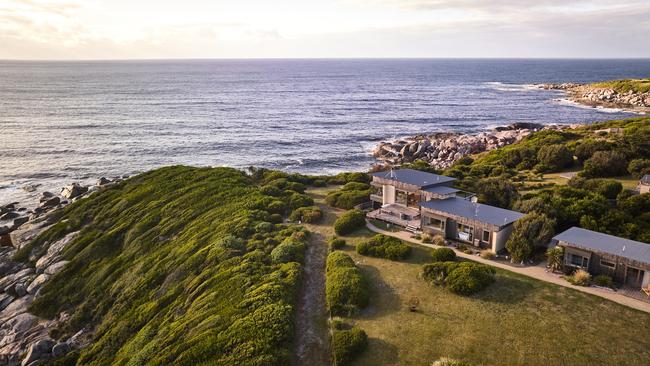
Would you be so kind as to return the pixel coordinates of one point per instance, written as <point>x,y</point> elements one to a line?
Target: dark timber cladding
<point>626,261</point>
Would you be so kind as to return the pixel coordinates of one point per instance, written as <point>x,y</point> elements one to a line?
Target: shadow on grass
<point>383,299</point>
<point>506,290</point>
<point>379,349</point>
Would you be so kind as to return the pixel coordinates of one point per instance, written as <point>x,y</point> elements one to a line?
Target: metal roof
<point>475,211</point>
<point>414,177</point>
<point>587,239</point>
<point>441,190</point>
<point>646,179</point>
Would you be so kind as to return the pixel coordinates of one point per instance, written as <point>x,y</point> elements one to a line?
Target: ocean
<point>76,121</point>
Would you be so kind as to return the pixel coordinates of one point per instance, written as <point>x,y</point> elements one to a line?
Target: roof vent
<point>392,174</point>
<point>623,248</point>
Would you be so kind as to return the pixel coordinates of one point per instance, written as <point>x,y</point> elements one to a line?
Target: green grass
<point>516,321</point>
<point>168,269</point>
<point>625,85</point>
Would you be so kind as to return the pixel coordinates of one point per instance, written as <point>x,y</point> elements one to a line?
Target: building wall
<point>646,279</point>
<point>644,188</point>
<point>389,194</point>
<point>499,238</point>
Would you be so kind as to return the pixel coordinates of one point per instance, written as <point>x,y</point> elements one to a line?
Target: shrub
<point>605,164</point>
<point>639,167</point>
<point>586,148</point>
<point>609,188</point>
<point>555,257</point>
<point>497,192</point>
<point>426,238</point>
<point>534,229</point>
<point>346,288</point>
<point>309,214</point>
<point>277,207</point>
<point>336,243</point>
<point>443,255</point>
<point>347,344</point>
<point>298,200</point>
<point>290,250</point>
<point>347,199</point>
<point>384,246</point>
<point>264,227</point>
<point>438,240</point>
<point>275,218</point>
<point>468,278</point>
<point>487,254</point>
<point>604,281</point>
<point>349,222</point>
<point>231,244</point>
<point>554,157</point>
<point>446,361</point>
<point>464,278</point>
<point>295,186</point>
<point>355,186</point>
<point>319,183</point>
<point>580,278</point>
<point>271,191</point>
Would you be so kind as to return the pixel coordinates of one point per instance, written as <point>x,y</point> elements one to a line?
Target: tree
<point>554,157</point>
<point>586,148</point>
<point>555,258</point>
<point>605,164</point>
<point>534,229</point>
<point>497,192</point>
<point>639,167</point>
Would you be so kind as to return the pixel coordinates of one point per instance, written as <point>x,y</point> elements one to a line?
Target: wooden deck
<point>394,214</point>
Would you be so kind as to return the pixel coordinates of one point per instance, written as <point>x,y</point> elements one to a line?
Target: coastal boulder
<point>38,350</point>
<point>38,282</point>
<point>19,221</point>
<point>51,202</point>
<point>103,181</point>
<point>46,196</point>
<point>9,215</point>
<point>61,349</point>
<point>73,190</point>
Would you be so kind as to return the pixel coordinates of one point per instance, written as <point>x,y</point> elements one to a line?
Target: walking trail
<point>538,272</point>
<point>312,344</point>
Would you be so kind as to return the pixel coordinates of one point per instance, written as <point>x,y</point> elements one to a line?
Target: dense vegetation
<point>349,222</point>
<point>180,266</point>
<point>592,200</point>
<point>345,286</point>
<point>347,343</point>
<point>349,195</point>
<point>384,246</point>
<point>443,255</point>
<point>463,278</point>
<point>625,85</point>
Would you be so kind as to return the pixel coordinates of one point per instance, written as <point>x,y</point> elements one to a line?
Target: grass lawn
<point>516,321</point>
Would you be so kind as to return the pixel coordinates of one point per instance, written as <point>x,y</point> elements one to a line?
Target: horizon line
<point>314,58</point>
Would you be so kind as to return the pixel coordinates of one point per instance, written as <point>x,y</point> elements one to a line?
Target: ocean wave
<point>571,103</point>
<point>497,85</point>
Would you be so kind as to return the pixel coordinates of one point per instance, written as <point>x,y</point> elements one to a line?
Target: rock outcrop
<point>441,150</point>
<point>595,96</point>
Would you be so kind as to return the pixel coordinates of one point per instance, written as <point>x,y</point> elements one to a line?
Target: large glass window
<point>486,236</point>
<point>434,223</point>
<point>379,191</point>
<point>608,264</point>
<point>578,260</point>
<point>412,200</point>
<point>401,197</point>
<point>465,232</point>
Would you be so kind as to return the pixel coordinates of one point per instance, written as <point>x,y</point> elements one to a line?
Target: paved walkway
<point>538,272</point>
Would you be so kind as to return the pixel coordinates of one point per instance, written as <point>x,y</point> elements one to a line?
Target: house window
<point>401,197</point>
<point>412,200</point>
<point>607,264</point>
<point>465,232</point>
<point>434,223</point>
<point>578,260</point>
<point>379,191</point>
<point>486,236</point>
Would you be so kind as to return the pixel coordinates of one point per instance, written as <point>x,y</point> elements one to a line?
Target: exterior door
<point>634,276</point>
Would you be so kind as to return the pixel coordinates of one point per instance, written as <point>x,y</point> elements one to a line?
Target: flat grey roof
<point>475,211</point>
<point>414,177</point>
<point>606,243</point>
<point>442,190</point>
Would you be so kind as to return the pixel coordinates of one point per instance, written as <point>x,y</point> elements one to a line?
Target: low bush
<point>443,255</point>
<point>426,238</point>
<point>604,281</point>
<point>446,361</point>
<point>464,278</point>
<point>347,344</point>
<point>336,243</point>
<point>298,200</point>
<point>384,246</point>
<point>580,278</point>
<point>347,199</point>
<point>639,167</point>
<point>319,183</point>
<point>309,214</point>
<point>605,164</point>
<point>290,250</point>
<point>438,240</point>
<point>346,289</point>
<point>487,254</point>
<point>349,222</point>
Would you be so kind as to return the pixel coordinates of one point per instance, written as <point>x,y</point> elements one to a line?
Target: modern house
<point>644,184</point>
<point>626,261</point>
<point>420,201</point>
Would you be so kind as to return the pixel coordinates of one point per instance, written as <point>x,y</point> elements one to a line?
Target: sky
<point>152,29</point>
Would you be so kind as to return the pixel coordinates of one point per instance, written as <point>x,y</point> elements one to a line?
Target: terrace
<point>399,215</point>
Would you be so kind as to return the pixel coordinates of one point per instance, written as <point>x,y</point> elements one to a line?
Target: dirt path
<point>312,347</point>
<point>538,272</point>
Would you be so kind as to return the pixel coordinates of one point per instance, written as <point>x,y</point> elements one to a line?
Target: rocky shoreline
<point>592,96</point>
<point>25,338</point>
<point>442,150</point>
